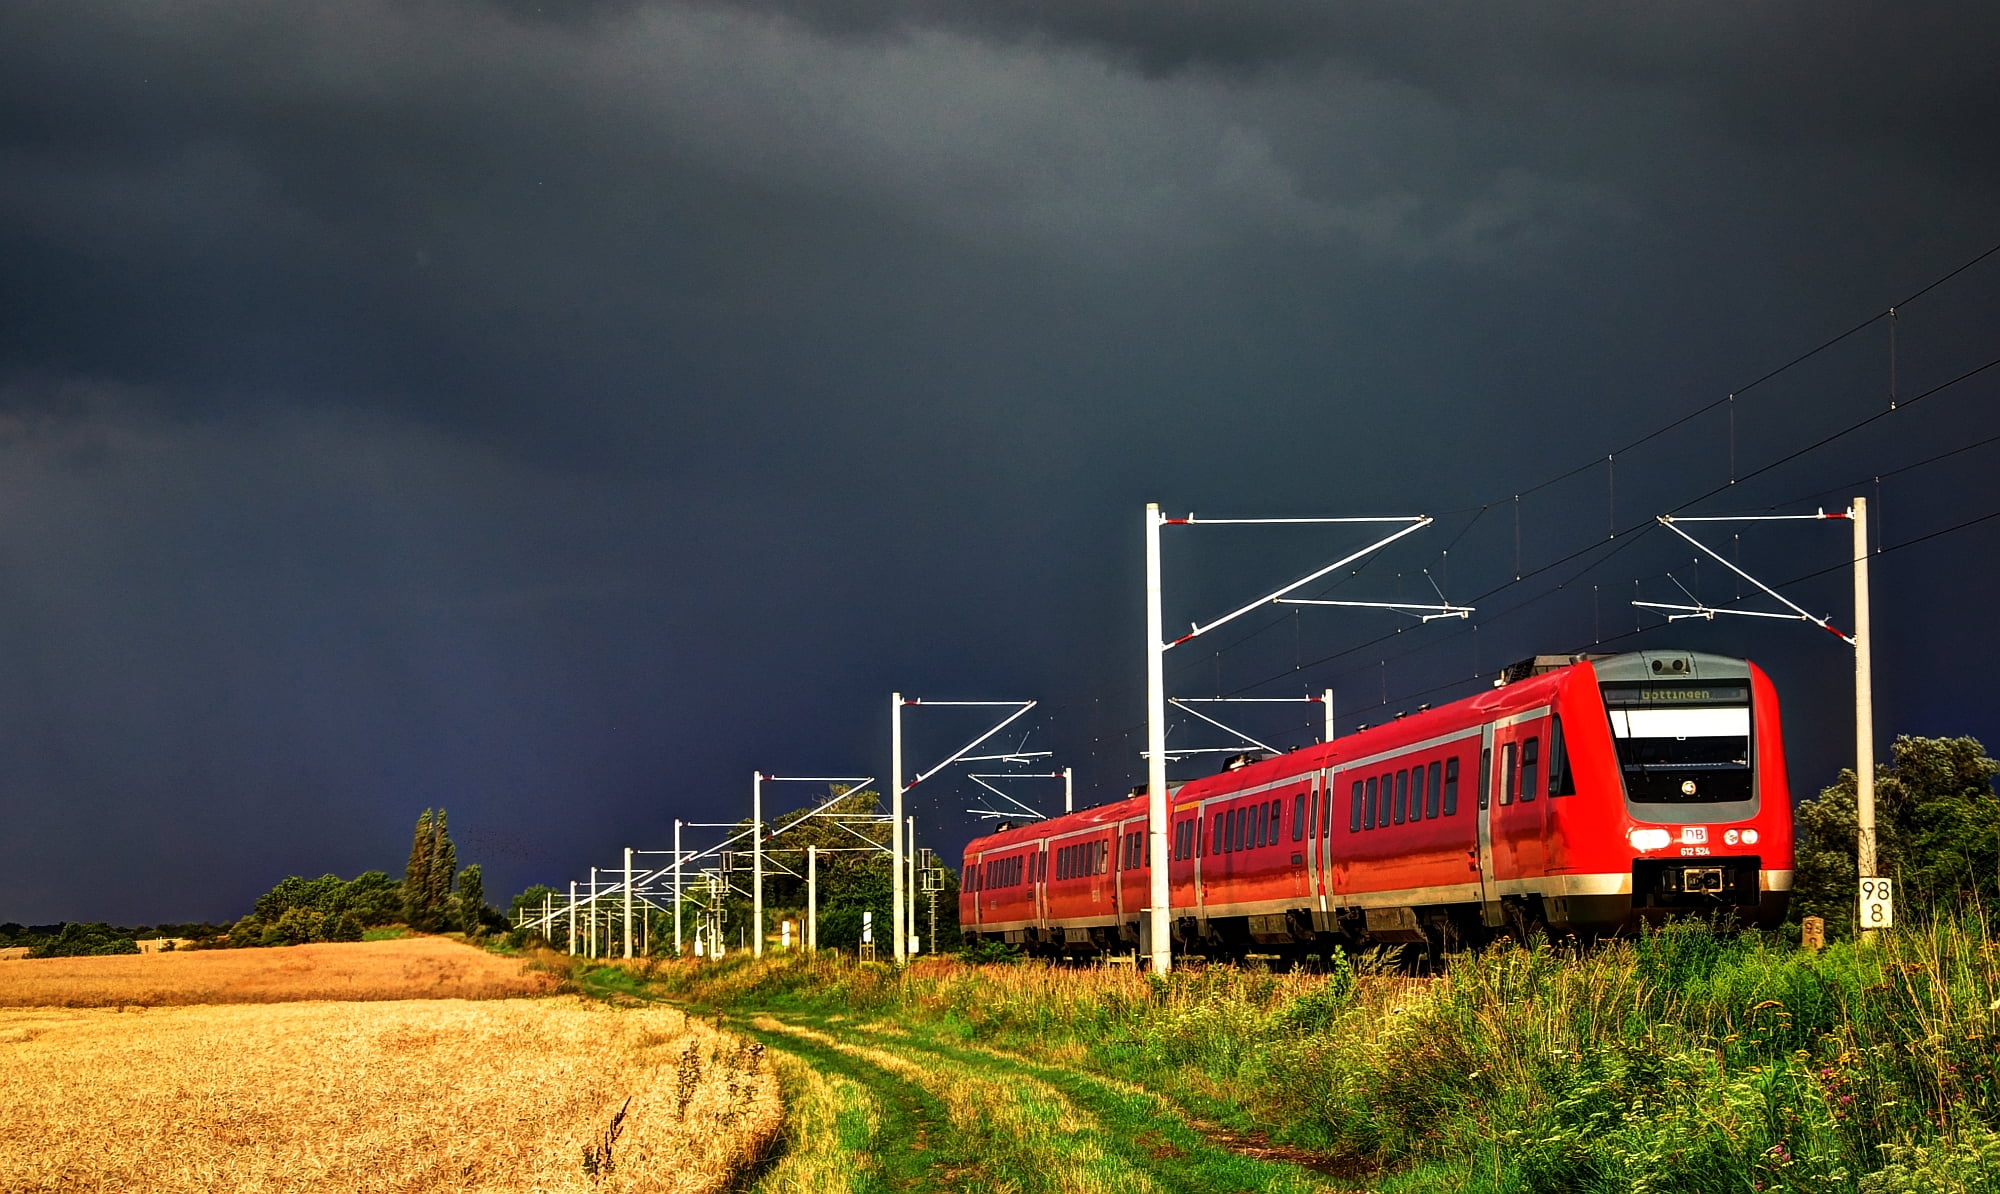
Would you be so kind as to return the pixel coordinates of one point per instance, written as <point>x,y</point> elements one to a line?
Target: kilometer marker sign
<point>1878,908</point>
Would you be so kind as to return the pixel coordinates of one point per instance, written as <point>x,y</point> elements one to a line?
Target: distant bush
<point>77,940</point>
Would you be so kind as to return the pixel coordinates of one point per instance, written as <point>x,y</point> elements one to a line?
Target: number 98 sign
<point>1878,908</point>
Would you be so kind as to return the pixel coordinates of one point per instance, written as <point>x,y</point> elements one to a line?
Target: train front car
<point>1681,801</point>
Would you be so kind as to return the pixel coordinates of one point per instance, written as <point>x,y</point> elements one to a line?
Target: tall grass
<point>1684,1060</point>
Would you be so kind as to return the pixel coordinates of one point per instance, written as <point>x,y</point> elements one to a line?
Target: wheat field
<point>408,1097</point>
<point>410,968</point>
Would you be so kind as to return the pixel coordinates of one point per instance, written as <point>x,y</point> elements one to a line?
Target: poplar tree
<point>416,877</point>
<point>471,904</point>
<point>443,869</point>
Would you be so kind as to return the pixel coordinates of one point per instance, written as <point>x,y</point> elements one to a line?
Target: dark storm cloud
<point>554,411</point>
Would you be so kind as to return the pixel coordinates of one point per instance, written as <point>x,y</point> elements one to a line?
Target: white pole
<point>896,825</point>
<point>572,918</point>
<point>756,864</point>
<point>911,840</point>
<point>548,914</point>
<point>1069,789</point>
<point>677,887</point>
<point>593,912</point>
<point>1156,750</point>
<point>628,903</point>
<point>812,899</point>
<point>1327,698</point>
<point>1864,701</point>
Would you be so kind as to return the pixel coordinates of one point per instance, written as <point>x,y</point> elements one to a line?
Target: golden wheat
<point>408,1097</point>
<point>411,968</point>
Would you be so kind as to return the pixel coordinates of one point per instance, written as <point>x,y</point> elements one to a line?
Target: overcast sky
<point>556,412</point>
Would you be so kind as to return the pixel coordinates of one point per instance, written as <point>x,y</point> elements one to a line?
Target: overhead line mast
<point>1156,932</point>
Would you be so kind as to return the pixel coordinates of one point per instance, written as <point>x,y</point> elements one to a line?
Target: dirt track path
<point>878,1107</point>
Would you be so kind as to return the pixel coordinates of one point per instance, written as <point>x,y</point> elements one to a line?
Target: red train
<point>1579,795</point>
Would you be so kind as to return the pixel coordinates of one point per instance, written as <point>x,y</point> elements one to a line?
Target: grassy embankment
<point>1684,1061</point>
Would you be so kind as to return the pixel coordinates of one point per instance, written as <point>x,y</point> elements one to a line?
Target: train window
<point>1431,792</point>
<point>1354,810</point>
<point>1103,856</point>
<point>1299,821</point>
<point>1062,862</point>
<point>1312,814</point>
<point>1485,773</point>
<point>1388,808</point>
<point>1450,786</point>
<point>1531,767</point>
<point>1267,823</point>
<point>1402,796</point>
<point>1561,782</point>
<point>1368,804</point>
<point>1326,812</point>
<point>1234,841</point>
<point>1215,847</point>
<point>1277,820</point>
<point>1417,793</point>
<point>1508,776</point>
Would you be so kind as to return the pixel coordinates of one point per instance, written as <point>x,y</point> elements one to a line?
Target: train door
<point>1489,886</point>
<point>1316,838</point>
<point>1202,814</point>
<point>1041,883</point>
<point>977,872</point>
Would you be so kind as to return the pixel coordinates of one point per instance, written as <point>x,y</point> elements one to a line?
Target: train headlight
<point>1650,839</point>
<point>1688,787</point>
<point>1749,837</point>
<point>1730,837</point>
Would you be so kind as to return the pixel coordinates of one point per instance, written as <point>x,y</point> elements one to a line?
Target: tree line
<point>1937,834</point>
<point>435,895</point>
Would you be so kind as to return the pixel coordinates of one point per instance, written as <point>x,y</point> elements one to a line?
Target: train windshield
<point>1694,754</point>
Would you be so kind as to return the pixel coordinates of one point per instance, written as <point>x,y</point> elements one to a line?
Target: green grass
<point>1686,1060</point>
<point>385,933</point>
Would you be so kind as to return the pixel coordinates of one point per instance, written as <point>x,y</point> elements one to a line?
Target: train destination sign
<point>1651,694</point>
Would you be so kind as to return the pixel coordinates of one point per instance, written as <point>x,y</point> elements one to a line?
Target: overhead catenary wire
<point>1631,533</point>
